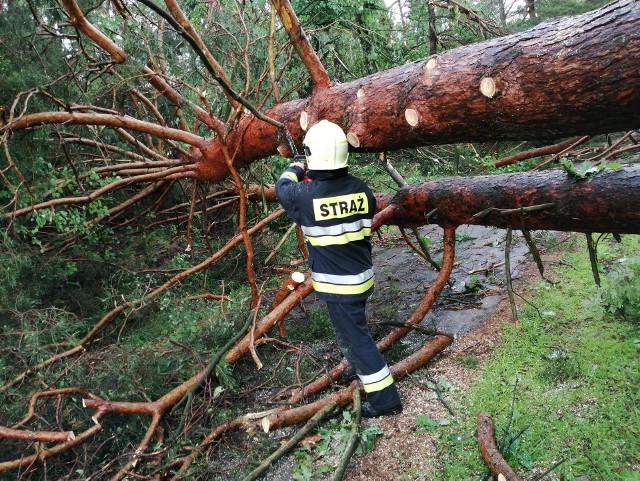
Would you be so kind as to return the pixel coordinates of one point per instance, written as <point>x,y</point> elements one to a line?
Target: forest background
<point>129,251</point>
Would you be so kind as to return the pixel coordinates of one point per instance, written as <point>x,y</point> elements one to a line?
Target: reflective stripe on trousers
<point>358,347</point>
<point>338,284</point>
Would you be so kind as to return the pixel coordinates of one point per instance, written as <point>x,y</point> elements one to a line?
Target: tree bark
<point>544,200</point>
<point>489,449</point>
<point>549,200</point>
<point>565,77</point>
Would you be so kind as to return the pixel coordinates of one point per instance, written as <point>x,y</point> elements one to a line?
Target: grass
<point>568,379</point>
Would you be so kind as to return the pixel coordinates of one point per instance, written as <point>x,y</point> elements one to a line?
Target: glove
<point>300,158</point>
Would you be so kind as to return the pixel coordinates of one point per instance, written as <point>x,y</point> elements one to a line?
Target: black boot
<point>349,374</point>
<point>385,402</point>
<point>369,411</point>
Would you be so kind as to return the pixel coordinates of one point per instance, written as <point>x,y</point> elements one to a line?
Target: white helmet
<point>326,147</point>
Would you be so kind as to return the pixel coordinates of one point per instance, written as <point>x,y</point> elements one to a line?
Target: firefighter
<point>335,211</point>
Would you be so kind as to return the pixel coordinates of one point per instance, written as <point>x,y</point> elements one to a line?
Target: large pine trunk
<point>564,77</point>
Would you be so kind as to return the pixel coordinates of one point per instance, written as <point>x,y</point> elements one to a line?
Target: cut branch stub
<point>304,121</point>
<point>488,87</point>
<point>353,139</point>
<point>431,63</point>
<point>287,287</point>
<point>412,117</point>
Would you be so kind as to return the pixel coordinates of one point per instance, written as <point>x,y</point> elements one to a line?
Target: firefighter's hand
<point>298,164</point>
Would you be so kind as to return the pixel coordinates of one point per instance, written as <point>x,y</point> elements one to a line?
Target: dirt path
<point>404,449</point>
<point>473,307</point>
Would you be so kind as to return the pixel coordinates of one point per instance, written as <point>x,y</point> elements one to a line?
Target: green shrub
<point>621,289</point>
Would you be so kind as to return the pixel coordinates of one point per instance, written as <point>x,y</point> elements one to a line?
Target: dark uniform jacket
<point>335,212</point>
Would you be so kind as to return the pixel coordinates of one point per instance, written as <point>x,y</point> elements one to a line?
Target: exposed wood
<point>586,85</point>
<point>488,87</point>
<point>412,117</point>
<point>420,358</point>
<point>489,449</point>
<point>288,286</point>
<point>291,443</point>
<point>270,320</point>
<point>39,436</point>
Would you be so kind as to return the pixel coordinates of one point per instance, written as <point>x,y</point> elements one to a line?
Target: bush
<point>621,289</point>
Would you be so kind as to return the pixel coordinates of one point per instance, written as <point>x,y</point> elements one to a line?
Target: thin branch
<point>539,152</point>
<point>36,436</point>
<point>354,438</point>
<point>533,249</point>
<point>593,258</point>
<point>489,450</point>
<point>117,121</point>
<point>292,443</point>
<point>211,68</point>
<point>79,21</point>
<point>507,271</point>
<point>129,305</point>
<point>309,57</point>
<point>580,140</point>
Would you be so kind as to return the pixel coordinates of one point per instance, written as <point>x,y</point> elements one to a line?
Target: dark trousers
<point>358,347</point>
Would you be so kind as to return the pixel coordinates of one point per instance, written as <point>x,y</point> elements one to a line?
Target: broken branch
<point>489,450</point>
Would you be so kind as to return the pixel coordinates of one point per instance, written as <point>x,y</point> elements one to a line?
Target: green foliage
<point>426,422</point>
<point>316,325</point>
<point>567,376</point>
<point>318,458</point>
<point>620,292</point>
<point>586,169</point>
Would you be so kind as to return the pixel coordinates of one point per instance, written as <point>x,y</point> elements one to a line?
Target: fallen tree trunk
<point>547,200</point>
<point>565,77</point>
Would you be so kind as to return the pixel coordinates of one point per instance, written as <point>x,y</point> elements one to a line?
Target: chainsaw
<point>297,157</point>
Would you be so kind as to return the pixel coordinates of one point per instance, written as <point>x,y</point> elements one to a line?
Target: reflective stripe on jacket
<point>335,213</point>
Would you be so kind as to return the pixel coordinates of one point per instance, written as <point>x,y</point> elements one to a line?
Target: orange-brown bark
<point>489,449</point>
<point>79,21</point>
<point>288,417</point>
<point>550,200</point>
<point>309,57</point>
<point>270,320</point>
<point>40,436</point>
<point>120,121</point>
<point>538,152</point>
<point>605,203</point>
<point>565,77</point>
<point>287,287</point>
